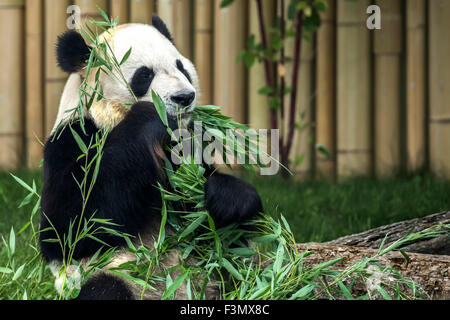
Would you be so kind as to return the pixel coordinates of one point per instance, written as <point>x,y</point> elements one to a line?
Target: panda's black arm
<point>124,190</point>
<point>230,199</point>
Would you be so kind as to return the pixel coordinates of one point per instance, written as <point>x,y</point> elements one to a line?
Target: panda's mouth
<point>180,113</point>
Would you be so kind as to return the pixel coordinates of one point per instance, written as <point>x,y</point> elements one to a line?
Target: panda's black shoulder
<point>61,146</point>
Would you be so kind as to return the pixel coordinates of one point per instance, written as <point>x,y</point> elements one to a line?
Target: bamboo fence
<point>34,86</point>
<point>377,100</point>
<point>11,81</point>
<point>387,48</point>
<point>416,89</point>
<point>354,126</point>
<point>439,86</point>
<point>326,93</point>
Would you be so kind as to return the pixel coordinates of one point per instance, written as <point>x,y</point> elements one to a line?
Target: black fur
<point>141,81</point>
<point>72,52</point>
<point>161,27</point>
<point>125,188</point>
<point>181,68</point>
<point>230,199</point>
<point>105,287</point>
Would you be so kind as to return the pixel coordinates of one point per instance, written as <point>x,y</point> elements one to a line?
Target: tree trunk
<point>373,238</point>
<point>430,271</point>
<point>429,259</point>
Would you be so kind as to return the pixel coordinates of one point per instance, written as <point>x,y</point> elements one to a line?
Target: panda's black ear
<point>72,52</point>
<point>161,27</point>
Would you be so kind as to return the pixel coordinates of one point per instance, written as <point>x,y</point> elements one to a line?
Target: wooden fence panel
<point>354,128</point>
<point>230,38</point>
<point>55,79</point>
<point>439,87</point>
<point>177,14</point>
<point>89,8</point>
<point>11,83</point>
<point>387,49</point>
<point>301,155</point>
<point>415,84</point>
<point>326,93</point>
<point>34,104</point>
<point>258,105</point>
<point>141,11</point>
<point>119,8</point>
<point>203,29</point>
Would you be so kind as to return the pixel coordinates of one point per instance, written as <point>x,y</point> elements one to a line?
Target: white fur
<point>67,279</point>
<point>69,99</point>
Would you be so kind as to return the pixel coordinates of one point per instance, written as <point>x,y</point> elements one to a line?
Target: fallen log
<point>431,272</point>
<point>374,237</point>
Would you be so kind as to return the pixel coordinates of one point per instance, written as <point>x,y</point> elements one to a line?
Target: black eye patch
<point>183,70</point>
<point>141,81</point>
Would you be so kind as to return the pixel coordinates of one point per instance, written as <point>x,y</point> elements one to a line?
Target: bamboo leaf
<point>104,15</point>
<point>138,281</point>
<point>192,227</point>
<point>232,270</point>
<point>174,286</point>
<point>302,293</point>
<point>22,183</point>
<point>79,141</point>
<point>18,273</point>
<point>5,270</point>
<point>125,57</point>
<point>345,291</point>
<point>12,241</point>
<point>383,293</point>
<point>160,108</point>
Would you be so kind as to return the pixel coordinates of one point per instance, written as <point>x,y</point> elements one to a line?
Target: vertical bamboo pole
<point>415,84</point>
<point>300,156</point>
<point>165,11</point>
<point>89,8</point>
<point>34,104</point>
<point>55,79</point>
<point>354,147</point>
<point>11,83</point>
<point>230,37</point>
<point>177,14</point>
<point>326,93</point>
<point>388,49</point>
<point>141,11</point>
<point>258,105</point>
<point>119,8</point>
<point>203,48</point>
<point>439,87</point>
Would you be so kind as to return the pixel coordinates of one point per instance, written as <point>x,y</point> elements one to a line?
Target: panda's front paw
<point>144,109</point>
<point>144,112</point>
<point>230,200</point>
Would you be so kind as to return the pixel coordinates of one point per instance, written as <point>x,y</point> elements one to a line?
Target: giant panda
<point>125,191</point>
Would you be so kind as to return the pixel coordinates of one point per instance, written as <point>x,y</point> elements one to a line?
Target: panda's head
<point>154,64</point>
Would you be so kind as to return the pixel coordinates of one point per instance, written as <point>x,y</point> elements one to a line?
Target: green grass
<point>316,211</point>
<point>320,211</point>
<point>11,195</point>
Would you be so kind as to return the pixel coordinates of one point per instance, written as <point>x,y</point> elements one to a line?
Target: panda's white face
<point>154,64</point>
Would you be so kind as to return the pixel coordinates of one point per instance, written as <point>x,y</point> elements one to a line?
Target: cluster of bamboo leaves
<point>271,267</point>
<point>256,260</point>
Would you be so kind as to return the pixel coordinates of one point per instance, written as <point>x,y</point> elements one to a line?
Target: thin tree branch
<point>282,58</point>
<point>269,81</point>
<point>293,107</point>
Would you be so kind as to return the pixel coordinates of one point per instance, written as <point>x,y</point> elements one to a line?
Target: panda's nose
<point>183,98</point>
